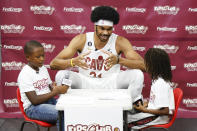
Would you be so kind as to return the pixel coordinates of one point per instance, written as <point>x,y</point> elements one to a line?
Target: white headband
<point>104,23</point>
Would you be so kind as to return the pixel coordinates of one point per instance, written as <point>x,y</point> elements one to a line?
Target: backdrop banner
<point>169,25</point>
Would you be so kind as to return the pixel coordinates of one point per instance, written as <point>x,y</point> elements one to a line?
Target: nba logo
<point>89,43</point>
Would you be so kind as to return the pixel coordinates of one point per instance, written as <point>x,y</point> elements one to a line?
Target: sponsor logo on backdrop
<point>11,102</point>
<point>192,9</point>
<point>166,29</point>
<point>12,47</point>
<point>12,28</point>
<point>47,66</point>
<point>46,10</point>
<point>173,85</point>
<point>12,9</point>
<point>11,84</point>
<point>190,102</point>
<point>48,47</point>
<point>173,67</point>
<point>73,29</point>
<point>136,10</point>
<point>93,7</point>
<point>139,48</point>
<point>191,29</point>
<point>12,65</point>
<point>167,48</point>
<point>43,28</point>
<point>191,84</point>
<point>192,48</point>
<point>135,29</point>
<point>72,9</point>
<point>166,10</point>
<point>91,127</point>
<point>190,66</point>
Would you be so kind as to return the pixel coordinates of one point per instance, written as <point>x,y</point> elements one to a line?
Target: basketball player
<point>99,57</point>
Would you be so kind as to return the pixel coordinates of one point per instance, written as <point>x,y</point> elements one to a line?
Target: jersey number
<point>94,74</point>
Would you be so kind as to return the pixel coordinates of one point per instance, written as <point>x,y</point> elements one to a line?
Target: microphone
<point>37,72</point>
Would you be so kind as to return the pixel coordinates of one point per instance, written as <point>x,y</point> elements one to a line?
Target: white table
<point>94,97</point>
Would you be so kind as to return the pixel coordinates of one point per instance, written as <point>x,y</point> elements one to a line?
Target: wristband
<point>71,62</point>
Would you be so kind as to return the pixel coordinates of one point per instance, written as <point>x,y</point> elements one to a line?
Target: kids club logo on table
<point>91,127</point>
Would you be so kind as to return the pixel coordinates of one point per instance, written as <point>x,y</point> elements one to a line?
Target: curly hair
<point>105,13</point>
<point>157,64</point>
<point>30,45</point>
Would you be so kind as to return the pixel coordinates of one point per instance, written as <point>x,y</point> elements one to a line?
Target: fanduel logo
<point>13,47</point>
<point>190,66</point>
<point>12,9</point>
<point>192,48</point>
<point>11,84</point>
<point>192,29</point>
<point>166,29</point>
<point>12,28</point>
<point>72,9</point>
<point>134,9</point>
<point>43,28</point>
<point>12,65</point>
<point>192,9</point>
<point>167,48</point>
<point>191,84</point>
<point>48,47</point>
<point>73,29</point>
<point>42,9</point>
<point>93,7</point>
<point>166,10</point>
<point>135,29</point>
<point>139,48</point>
<point>11,102</point>
<point>47,66</point>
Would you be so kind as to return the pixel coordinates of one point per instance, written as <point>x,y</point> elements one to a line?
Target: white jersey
<point>29,80</point>
<point>96,58</point>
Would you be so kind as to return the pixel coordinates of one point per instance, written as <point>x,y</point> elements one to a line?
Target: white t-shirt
<point>97,58</point>
<point>161,95</point>
<point>29,80</point>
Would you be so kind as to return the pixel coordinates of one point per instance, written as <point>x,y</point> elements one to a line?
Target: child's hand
<point>140,107</point>
<point>61,89</point>
<point>145,104</point>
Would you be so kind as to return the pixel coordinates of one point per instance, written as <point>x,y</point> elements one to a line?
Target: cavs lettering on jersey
<point>96,58</point>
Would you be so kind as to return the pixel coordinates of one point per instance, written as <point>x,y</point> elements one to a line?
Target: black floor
<point>10,124</point>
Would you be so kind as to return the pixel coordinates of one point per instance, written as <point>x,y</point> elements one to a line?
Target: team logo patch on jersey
<point>89,43</point>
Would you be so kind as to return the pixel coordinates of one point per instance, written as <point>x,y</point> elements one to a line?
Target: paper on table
<point>77,100</point>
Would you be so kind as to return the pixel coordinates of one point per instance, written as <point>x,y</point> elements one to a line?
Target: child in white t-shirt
<point>36,88</point>
<point>161,102</point>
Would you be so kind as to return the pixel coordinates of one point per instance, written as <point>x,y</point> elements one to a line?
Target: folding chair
<point>178,94</point>
<point>28,120</point>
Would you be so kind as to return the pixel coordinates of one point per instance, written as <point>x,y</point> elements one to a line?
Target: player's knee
<point>139,75</point>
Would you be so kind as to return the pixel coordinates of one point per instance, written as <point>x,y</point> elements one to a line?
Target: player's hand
<point>80,61</point>
<point>111,60</point>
